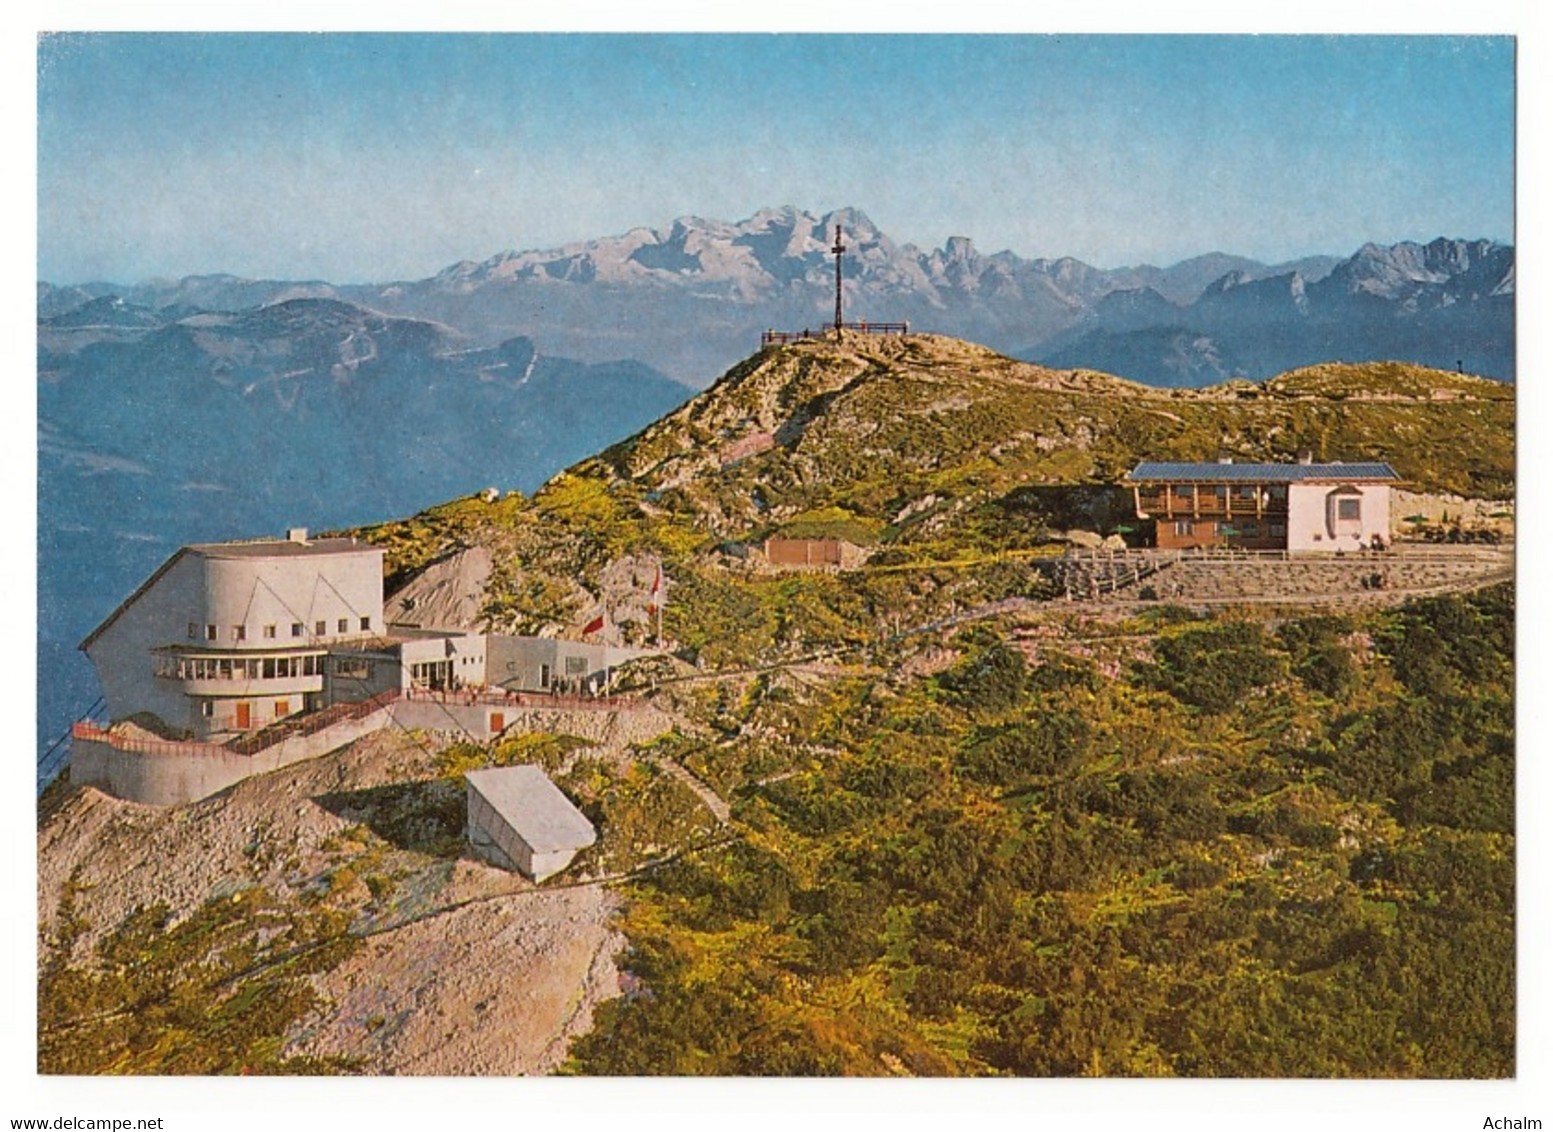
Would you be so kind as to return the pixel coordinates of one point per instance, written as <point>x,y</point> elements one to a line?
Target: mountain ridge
<point>689,296</point>
<point>923,446</point>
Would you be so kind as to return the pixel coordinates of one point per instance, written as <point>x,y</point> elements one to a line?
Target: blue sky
<point>360,158</point>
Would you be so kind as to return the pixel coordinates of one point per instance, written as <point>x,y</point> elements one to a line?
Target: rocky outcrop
<point>462,968</point>
<point>446,595</point>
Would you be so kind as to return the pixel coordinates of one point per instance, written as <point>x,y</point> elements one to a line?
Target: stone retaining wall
<point>172,773</point>
<point>1303,580</point>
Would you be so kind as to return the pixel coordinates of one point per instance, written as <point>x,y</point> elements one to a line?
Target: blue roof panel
<point>1185,472</point>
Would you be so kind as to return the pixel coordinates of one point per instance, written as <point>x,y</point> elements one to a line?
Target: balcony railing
<point>290,728</point>
<point>1208,504</point>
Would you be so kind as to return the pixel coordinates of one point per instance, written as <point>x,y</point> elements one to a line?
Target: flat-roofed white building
<point>519,819</point>
<point>544,664</point>
<point>230,637</point>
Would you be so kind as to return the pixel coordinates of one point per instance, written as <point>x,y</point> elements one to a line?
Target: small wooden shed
<point>519,819</point>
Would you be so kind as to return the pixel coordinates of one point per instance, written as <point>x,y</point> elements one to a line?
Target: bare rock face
<point>1409,508</point>
<point>446,595</point>
<point>496,988</point>
<point>461,968</point>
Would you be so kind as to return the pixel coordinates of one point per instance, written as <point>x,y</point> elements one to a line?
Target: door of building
<point>244,716</point>
<point>498,722</point>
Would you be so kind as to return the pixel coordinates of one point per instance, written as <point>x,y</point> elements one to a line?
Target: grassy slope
<point>939,451</point>
<point>1223,852</point>
<point>1108,870</point>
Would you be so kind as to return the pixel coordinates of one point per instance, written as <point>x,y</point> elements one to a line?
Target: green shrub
<point>1212,668</point>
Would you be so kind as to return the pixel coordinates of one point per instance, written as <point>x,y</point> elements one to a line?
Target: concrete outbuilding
<point>519,819</point>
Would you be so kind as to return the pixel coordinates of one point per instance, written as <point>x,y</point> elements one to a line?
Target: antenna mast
<point>836,251</point>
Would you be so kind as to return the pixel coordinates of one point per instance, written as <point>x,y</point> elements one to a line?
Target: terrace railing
<point>783,337</point>
<point>295,727</point>
<point>491,697</point>
<point>310,723</point>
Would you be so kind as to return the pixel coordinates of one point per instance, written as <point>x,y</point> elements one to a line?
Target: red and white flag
<point>657,590</point>
<point>593,626</point>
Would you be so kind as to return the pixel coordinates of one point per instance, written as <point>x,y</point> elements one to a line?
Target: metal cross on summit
<point>836,251</point>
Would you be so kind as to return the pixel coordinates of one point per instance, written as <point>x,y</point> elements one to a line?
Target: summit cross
<point>837,251</point>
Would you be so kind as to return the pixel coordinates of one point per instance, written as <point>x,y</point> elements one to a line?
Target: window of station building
<point>239,632</point>
<point>207,709</point>
<point>312,666</point>
<point>366,624</point>
<point>320,628</point>
<point>194,630</point>
<point>1183,527</point>
<point>1347,508</point>
<point>210,632</point>
<point>1183,491</point>
<point>284,667</point>
<point>269,632</point>
<point>576,666</point>
<point>343,625</point>
<point>352,667</point>
<point>282,708</point>
<point>296,628</point>
<point>1277,530</point>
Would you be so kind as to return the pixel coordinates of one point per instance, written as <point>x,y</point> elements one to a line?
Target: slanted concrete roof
<point>1183,472</point>
<point>140,591</point>
<point>282,548</point>
<point>526,799</point>
<point>252,548</point>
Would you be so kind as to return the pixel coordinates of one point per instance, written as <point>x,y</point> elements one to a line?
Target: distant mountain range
<point>691,298</point>
<point>1449,304</point>
<point>213,406</point>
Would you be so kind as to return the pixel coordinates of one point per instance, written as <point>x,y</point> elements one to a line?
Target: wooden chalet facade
<point>1298,507</point>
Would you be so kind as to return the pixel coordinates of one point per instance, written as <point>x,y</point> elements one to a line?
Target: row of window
<point>271,632</point>
<point>1248,528</point>
<point>351,667</point>
<point>238,668</point>
<point>1270,493</point>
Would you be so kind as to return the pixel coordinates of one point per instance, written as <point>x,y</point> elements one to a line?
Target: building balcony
<point>297,685</point>
<point>207,674</point>
<point>1210,502</point>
